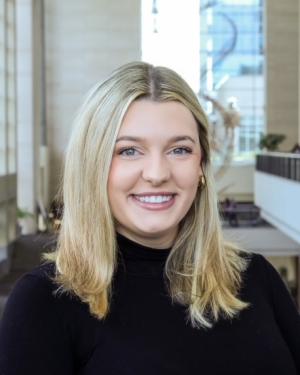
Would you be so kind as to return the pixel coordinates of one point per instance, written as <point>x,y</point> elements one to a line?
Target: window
<point>171,36</point>
<point>232,67</point>
<point>7,122</point>
<point>7,88</point>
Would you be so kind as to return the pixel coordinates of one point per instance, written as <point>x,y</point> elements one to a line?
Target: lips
<point>154,206</point>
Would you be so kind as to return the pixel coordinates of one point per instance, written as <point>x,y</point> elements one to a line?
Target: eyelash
<point>188,150</point>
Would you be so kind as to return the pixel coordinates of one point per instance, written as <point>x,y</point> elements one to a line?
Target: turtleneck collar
<point>132,250</point>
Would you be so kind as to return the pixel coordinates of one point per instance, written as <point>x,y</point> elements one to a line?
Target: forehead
<point>145,117</point>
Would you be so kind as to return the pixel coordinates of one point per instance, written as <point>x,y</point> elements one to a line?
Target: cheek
<point>187,177</point>
<point>120,177</point>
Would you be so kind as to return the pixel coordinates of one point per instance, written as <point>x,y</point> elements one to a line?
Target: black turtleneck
<point>140,260</point>
<point>145,333</point>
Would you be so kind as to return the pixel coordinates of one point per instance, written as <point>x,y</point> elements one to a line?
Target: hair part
<point>203,271</point>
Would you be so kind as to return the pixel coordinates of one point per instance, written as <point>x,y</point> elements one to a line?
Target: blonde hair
<point>204,272</point>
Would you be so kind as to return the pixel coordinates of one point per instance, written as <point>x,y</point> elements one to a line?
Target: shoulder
<point>43,270</point>
<point>43,273</point>
<point>33,289</point>
<point>35,309</point>
<point>258,268</point>
<point>36,289</point>
<point>35,321</point>
<point>261,268</point>
<point>32,303</point>
<point>39,278</point>
<point>262,278</point>
<point>256,260</point>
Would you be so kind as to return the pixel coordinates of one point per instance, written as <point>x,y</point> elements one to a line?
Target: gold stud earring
<point>202,181</point>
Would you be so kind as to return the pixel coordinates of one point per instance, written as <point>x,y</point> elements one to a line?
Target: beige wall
<point>282,60</point>
<point>85,41</point>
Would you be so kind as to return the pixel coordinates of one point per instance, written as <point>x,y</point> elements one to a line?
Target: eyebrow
<point>173,139</point>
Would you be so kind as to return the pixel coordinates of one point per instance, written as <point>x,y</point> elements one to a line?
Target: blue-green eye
<point>186,149</point>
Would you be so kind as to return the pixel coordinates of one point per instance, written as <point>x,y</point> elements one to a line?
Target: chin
<point>156,229</point>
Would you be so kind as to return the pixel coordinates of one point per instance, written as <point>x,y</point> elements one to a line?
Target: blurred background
<point>241,57</point>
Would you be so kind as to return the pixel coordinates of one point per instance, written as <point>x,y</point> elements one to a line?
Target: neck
<point>154,242</point>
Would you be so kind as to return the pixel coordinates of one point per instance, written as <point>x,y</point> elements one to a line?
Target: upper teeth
<point>154,198</point>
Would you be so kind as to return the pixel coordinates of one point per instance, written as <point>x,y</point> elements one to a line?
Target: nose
<point>156,170</point>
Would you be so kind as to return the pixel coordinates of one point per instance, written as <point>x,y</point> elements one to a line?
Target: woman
<point>142,281</point>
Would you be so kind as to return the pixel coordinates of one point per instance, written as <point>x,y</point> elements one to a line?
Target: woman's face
<point>153,178</point>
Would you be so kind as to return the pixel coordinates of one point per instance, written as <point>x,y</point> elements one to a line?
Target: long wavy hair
<point>204,272</point>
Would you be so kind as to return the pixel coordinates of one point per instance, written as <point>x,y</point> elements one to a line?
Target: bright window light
<point>171,36</point>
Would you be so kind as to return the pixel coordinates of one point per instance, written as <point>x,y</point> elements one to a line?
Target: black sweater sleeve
<point>285,310</point>
<point>33,335</point>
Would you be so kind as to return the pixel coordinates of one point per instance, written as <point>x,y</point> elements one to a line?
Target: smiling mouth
<point>154,203</point>
<point>154,198</point>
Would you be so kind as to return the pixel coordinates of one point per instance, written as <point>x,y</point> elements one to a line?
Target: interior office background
<point>53,51</point>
